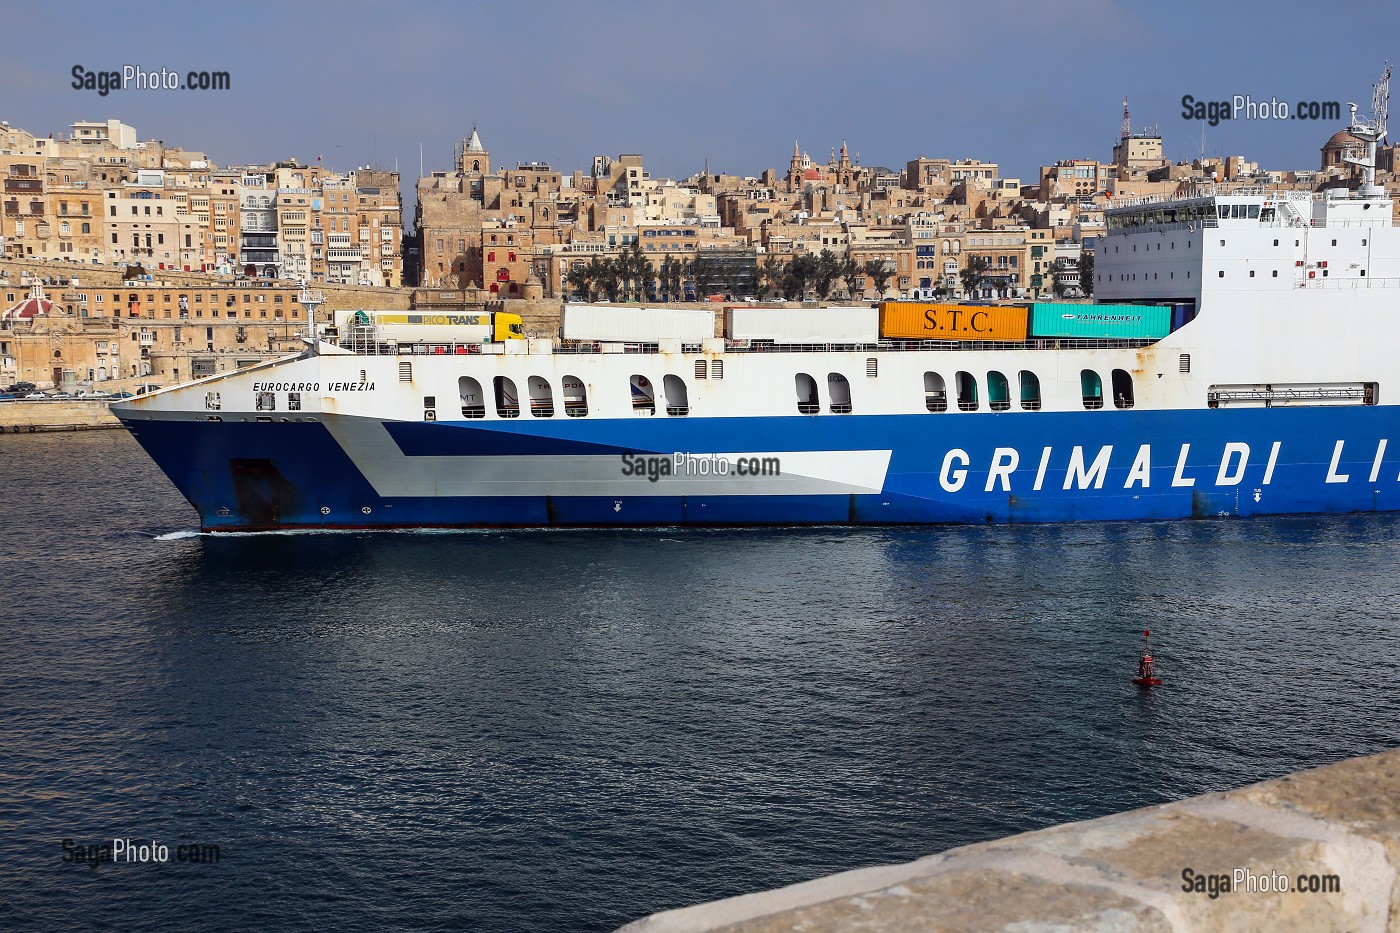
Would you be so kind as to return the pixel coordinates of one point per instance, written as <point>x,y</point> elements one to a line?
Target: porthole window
<point>1122,389</point>
<point>935,393</point>
<point>998,392</point>
<point>472,399</point>
<point>541,397</point>
<point>677,399</point>
<point>967,391</point>
<point>643,395</point>
<point>507,398</point>
<point>1030,391</point>
<point>840,391</point>
<point>807,402</point>
<point>1091,388</point>
<point>575,397</point>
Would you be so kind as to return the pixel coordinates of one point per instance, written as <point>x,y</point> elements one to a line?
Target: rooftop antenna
<point>1369,132</point>
<point>1127,128</point>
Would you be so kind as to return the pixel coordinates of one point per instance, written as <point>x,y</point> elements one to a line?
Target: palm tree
<point>670,278</point>
<point>598,268</point>
<point>1086,274</point>
<point>771,274</point>
<point>828,267</point>
<point>850,271</point>
<point>633,271</point>
<point>704,276</point>
<point>610,279</point>
<point>879,271</point>
<point>974,274</point>
<point>798,276</point>
<point>578,280</point>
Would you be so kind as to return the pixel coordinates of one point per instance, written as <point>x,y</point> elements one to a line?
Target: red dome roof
<point>30,307</point>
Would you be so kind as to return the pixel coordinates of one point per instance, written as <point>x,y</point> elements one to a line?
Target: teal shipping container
<point>1068,319</point>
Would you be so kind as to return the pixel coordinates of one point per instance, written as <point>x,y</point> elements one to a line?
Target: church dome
<point>32,306</point>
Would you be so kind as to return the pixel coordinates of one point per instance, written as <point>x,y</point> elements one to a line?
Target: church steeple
<point>476,160</point>
<point>795,167</point>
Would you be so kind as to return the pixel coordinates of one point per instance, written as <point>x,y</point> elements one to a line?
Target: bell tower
<point>476,160</point>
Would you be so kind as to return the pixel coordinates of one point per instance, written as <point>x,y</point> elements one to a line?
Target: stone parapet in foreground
<point>22,416</point>
<point>1124,872</point>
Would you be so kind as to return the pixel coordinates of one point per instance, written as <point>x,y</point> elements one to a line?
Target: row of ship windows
<point>506,398</point>
<point>1147,247</point>
<point>1132,277</point>
<point>966,392</point>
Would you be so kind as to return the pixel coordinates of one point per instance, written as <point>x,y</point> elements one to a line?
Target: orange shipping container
<point>920,320</point>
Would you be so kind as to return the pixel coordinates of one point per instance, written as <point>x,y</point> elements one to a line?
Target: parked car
<point>5,396</point>
<point>62,395</point>
<point>94,394</point>
<point>35,395</point>
<point>21,387</point>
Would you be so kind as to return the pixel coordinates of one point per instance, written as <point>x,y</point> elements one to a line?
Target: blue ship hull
<point>952,468</point>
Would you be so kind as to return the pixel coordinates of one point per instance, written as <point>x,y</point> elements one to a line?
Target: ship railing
<point>1033,343</point>
<point>1199,192</point>
<point>883,346</point>
<point>1339,222</point>
<point>1358,393</point>
<point>1350,283</point>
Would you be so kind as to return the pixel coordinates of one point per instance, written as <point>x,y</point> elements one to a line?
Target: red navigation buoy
<point>1147,670</point>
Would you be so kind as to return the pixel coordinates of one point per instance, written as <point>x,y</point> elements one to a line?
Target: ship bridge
<point>1213,239</point>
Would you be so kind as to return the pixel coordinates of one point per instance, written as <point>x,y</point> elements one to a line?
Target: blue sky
<point>735,82</point>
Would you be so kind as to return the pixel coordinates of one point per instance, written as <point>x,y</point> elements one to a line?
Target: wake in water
<point>192,533</point>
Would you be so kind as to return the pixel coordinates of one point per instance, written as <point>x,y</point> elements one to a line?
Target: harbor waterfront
<point>554,730</point>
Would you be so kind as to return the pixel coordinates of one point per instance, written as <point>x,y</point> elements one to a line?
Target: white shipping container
<point>630,324</point>
<point>859,324</point>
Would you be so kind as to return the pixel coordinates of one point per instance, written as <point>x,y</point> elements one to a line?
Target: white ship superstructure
<point>1273,390</point>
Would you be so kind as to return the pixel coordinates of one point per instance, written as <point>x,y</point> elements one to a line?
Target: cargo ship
<point>1238,361</point>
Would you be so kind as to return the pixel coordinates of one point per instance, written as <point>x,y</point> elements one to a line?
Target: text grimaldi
<point>1088,469</point>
